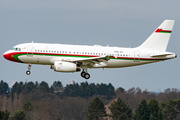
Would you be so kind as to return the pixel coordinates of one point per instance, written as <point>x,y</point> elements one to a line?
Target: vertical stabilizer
<point>160,37</point>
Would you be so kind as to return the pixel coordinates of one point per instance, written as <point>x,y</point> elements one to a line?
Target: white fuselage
<point>47,54</point>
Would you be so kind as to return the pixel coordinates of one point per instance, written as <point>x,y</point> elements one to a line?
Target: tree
<point>57,86</point>
<point>28,105</point>
<point>1,115</point>
<point>160,114</point>
<point>96,110</point>
<point>58,118</point>
<point>30,86</point>
<point>154,108</point>
<point>170,109</point>
<point>84,88</point>
<point>4,87</point>
<point>110,91</point>
<point>152,117</point>
<point>120,110</point>
<point>4,115</point>
<point>142,111</point>
<point>36,85</point>
<point>17,88</point>
<point>44,86</point>
<point>121,89</point>
<point>19,115</point>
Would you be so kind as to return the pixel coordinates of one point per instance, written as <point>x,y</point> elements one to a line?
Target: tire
<point>86,75</point>
<point>28,72</point>
<point>82,73</point>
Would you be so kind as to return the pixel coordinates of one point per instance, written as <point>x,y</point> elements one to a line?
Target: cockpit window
<point>17,49</point>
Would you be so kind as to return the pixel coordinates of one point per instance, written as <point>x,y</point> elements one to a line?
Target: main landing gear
<point>28,72</point>
<point>85,74</point>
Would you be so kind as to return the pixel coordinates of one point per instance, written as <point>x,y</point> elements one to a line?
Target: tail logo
<point>163,31</point>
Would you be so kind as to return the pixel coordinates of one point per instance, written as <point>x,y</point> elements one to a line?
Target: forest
<point>84,101</point>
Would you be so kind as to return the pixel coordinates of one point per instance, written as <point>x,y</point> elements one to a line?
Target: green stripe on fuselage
<point>16,57</point>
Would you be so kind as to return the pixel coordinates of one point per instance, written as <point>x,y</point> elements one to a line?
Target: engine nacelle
<point>60,66</point>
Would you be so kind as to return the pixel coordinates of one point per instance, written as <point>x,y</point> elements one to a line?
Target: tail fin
<point>160,37</point>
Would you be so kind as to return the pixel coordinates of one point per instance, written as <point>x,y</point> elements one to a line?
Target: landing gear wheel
<point>86,75</point>
<point>29,68</point>
<point>28,72</point>
<point>82,73</point>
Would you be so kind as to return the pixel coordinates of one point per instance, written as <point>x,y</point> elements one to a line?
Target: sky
<point>122,23</point>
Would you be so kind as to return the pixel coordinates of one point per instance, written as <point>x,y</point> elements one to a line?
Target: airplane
<point>75,58</point>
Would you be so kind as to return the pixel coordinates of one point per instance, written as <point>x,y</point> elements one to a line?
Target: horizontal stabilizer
<point>162,54</point>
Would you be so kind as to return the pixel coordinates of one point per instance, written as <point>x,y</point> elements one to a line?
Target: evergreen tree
<point>142,111</point>
<point>58,118</point>
<point>44,87</point>
<point>160,114</point>
<point>1,115</point>
<point>152,117</point>
<point>110,91</point>
<point>57,86</point>
<point>121,89</point>
<point>17,88</point>
<point>28,105</point>
<point>92,89</point>
<point>120,110</point>
<point>96,110</point>
<point>19,115</point>
<point>170,109</point>
<point>29,86</point>
<point>154,108</point>
<point>4,115</point>
<point>4,87</point>
<point>36,85</point>
<point>84,88</point>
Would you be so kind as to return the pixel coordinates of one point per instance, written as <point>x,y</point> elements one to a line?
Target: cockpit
<point>16,49</point>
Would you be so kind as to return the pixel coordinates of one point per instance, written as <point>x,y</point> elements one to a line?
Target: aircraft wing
<point>94,61</point>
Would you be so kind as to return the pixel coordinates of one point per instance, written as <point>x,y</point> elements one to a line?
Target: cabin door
<point>30,50</point>
<point>136,56</point>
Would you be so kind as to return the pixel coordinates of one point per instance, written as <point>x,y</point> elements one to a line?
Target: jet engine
<point>61,66</point>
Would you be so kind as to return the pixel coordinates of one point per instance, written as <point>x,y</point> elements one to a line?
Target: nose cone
<point>9,56</point>
<point>6,55</point>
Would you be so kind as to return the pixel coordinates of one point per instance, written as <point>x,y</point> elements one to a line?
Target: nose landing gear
<point>28,72</point>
